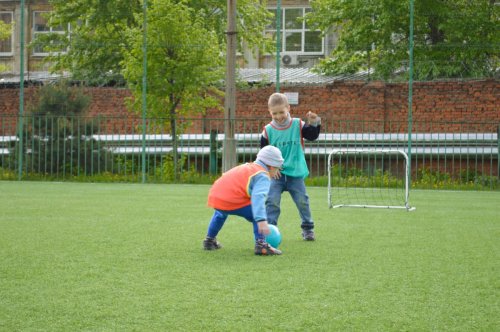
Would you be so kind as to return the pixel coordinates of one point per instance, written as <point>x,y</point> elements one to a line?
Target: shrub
<point>58,137</point>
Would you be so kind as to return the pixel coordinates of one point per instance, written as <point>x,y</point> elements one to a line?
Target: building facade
<point>301,46</point>
<point>35,24</point>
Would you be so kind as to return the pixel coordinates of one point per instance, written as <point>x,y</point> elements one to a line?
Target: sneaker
<point>308,235</point>
<point>263,248</point>
<point>211,244</point>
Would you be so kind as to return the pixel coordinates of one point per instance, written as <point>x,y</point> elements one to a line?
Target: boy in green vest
<point>287,134</point>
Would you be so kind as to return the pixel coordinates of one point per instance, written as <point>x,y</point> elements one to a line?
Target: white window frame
<point>302,30</point>
<point>11,35</point>
<point>51,30</point>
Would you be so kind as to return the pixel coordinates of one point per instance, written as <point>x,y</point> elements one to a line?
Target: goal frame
<point>347,151</point>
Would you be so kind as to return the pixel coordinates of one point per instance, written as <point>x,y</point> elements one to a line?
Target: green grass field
<point>125,257</point>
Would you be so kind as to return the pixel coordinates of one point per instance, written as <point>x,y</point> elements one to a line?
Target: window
<point>297,37</point>
<point>41,27</point>
<point>6,45</point>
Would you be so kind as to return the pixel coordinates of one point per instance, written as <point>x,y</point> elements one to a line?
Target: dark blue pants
<point>220,216</point>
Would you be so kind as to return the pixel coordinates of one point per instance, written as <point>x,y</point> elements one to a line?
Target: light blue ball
<point>274,238</point>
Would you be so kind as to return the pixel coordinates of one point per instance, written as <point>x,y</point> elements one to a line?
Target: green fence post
<point>213,152</point>
<point>278,44</point>
<point>410,92</point>
<point>498,153</point>
<point>144,85</point>
<point>21,95</point>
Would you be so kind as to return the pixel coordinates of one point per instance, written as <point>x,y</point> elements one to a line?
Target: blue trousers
<point>220,216</point>
<point>297,189</point>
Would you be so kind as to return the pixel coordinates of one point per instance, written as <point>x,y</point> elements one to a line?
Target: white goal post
<point>368,178</point>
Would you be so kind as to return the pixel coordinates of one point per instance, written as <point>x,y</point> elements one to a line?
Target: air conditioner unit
<point>290,59</point>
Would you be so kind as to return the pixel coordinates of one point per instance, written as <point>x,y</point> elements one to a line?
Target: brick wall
<point>373,106</point>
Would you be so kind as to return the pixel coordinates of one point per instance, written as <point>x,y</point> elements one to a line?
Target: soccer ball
<point>274,238</point>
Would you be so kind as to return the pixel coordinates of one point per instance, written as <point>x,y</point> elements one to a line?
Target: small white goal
<point>368,178</point>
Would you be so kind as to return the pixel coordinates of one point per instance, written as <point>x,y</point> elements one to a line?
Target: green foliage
<point>7,173</point>
<point>95,49</point>
<point>60,100</point>
<point>183,61</point>
<point>58,139</point>
<point>98,43</point>
<point>168,170</point>
<point>452,39</point>
<point>466,179</point>
<point>5,32</point>
<point>357,177</point>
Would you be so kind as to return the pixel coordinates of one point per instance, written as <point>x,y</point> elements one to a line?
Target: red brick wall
<point>344,106</point>
<point>385,106</point>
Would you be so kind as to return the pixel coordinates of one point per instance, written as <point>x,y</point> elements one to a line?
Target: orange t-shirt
<point>231,191</point>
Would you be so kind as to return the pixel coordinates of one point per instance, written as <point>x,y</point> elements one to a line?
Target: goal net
<point>368,178</point>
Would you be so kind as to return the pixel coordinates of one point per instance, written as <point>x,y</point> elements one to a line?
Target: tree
<point>183,64</point>
<point>186,43</point>
<point>59,139</point>
<point>94,39</point>
<point>96,42</point>
<point>5,32</point>
<point>452,39</point>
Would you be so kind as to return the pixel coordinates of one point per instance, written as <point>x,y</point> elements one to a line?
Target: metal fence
<point>111,148</point>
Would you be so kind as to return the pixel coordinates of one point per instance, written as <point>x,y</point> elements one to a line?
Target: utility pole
<point>229,152</point>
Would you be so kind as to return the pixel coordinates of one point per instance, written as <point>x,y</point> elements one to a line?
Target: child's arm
<point>263,139</point>
<point>311,128</point>
<point>259,187</point>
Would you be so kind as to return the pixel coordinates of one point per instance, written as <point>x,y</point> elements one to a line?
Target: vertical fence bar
<point>47,144</point>
<point>144,85</point>
<point>98,143</point>
<point>78,147</point>
<point>278,44</point>
<point>460,155</point>
<point>65,137</point>
<point>498,153</point>
<point>3,150</point>
<point>38,120</point>
<point>213,152</point>
<point>475,147</point>
<point>21,94</point>
<point>91,152</point>
<point>410,92</point>
<point>25,150</point>
<point>57,144</point>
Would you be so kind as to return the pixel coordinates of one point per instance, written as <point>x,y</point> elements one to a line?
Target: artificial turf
<point>128,257</point>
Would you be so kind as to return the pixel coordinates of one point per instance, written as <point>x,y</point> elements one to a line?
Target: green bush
<point>58,136</point>
<point>467,179</point>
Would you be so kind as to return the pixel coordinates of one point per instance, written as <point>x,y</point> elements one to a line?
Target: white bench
<point>249,143</point>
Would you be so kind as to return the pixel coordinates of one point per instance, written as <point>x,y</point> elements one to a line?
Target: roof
<point>32,77</point>
<point>293,76</point>
<point>251,75</point>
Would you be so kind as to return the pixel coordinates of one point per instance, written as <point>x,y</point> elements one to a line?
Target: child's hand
<point>277,176</point>
<point>263,228</point>
<point>312,118</point>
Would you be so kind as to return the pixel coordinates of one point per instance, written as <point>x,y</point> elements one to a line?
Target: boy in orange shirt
<point>242,191</point>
